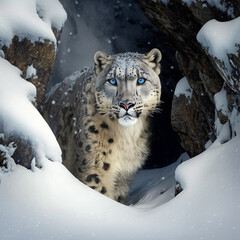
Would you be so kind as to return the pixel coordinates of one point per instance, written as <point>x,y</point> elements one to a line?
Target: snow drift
<point>18,116</point>
<point>50,203</point>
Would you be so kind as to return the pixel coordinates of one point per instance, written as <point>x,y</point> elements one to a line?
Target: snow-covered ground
<point>49,203</point>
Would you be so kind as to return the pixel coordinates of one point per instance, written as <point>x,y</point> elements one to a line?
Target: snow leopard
<point>100,117</point>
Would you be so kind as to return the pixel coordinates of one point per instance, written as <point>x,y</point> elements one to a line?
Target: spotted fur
<point>103,129</point>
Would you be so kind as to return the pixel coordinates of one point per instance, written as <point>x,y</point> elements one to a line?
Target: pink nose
<point>127,106</point>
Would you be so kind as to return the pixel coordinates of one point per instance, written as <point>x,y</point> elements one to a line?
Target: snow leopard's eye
<point>113,81</point>
<point>141,81</point>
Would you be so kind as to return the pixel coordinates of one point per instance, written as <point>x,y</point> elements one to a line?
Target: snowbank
<point>18,116</point>
<point>151,188</point>
<point>51,204</point>
<point>32,19</point>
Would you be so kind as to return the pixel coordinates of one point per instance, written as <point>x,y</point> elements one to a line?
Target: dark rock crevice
<point>194,119</point>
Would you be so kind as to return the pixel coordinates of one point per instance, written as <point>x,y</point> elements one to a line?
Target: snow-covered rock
<point>225,53</point>
<point>31,19</point>
<point>206,36</point>
<point>183,88</point>
<point>20,120</point>
<point>225,56</point>
<point>28,32</point>
<point>187,119</point>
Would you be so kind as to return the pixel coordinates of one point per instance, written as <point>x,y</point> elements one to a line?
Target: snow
<point>224,134</point>
<point>2,54</point>
<point>18,116</point>
<point>30,19</point>
<point>221,103</point>
<point>147,185</point>
<point>208,144</point>
<point>50,203</point>
<point>212,180</point>
<point>31,72</point>
<point>235,121</point>
<point>183,88</point>
<point>231,128</point>
<point>51,12</point>
<point>7,152</point>
<point>229,34</point>
<point>214,3</point>
<point>214,30</point>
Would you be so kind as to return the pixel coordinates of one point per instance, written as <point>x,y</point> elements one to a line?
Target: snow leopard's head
<point>127,85</point>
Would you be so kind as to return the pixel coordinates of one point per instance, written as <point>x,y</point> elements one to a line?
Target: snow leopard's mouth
<point>128,115</point>
<point>127,120</point>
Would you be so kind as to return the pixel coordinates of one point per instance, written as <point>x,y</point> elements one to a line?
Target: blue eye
<point>113,81</point>
<point>141,81</point>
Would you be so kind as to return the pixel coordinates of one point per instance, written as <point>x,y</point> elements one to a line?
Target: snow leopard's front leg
<point>121,187</point>
<point>100,178</point>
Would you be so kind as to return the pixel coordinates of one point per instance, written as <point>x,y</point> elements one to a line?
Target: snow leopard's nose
<point>127,104</point>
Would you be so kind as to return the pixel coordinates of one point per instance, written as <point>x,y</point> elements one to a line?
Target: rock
<point>224,54</point>
<point>36,61</point>
<point>178,188</point>
<point>194,119</point>
<point>21,151</point>
<point>40,55</point>
<point>28,41</point>
<point>191,120</point>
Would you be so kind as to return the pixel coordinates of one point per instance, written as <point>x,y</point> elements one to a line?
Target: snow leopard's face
<point>127,85</point>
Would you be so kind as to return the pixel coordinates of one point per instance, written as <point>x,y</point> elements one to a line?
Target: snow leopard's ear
<point>101,60</point>
<point>153,59</point>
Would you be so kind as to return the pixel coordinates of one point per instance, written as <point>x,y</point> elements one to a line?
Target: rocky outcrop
<point>17,149</point>
<point>34,59</point>
<point>195,119</point>
<point>28,41</point>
